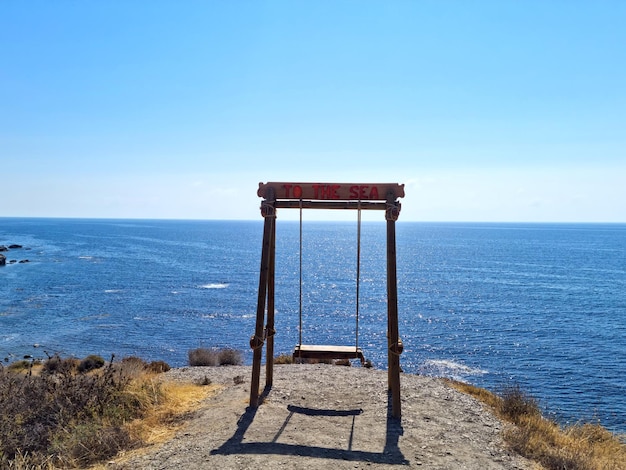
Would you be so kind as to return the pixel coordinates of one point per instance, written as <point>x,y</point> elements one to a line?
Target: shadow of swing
<point>390,454</point>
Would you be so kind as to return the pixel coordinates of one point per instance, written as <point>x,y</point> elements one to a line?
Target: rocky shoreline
<point>5,248</point>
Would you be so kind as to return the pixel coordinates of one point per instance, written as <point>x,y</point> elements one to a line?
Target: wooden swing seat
<point>326,351</point>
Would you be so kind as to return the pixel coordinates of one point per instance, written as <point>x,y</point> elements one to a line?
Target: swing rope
<point>358,276</point>
<point>300,329</point>
<point>358,272</point>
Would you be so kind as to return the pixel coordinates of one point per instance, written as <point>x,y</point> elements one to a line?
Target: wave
<point>449,369</point>
<point>91,259</point>
<point>214,286</point>
<point>98,316</point>
<point>9,337</point>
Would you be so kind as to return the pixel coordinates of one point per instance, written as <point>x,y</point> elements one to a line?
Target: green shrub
<point>229,357</point>
<point>133,361</point>
<point>90,363</point>
<point>202,357</point>
<point>19,366</point>
<point>58,365</point>
<point>133,365</point>
<point>283,359</point>
<point>158,367</point>
<point>215,357</point>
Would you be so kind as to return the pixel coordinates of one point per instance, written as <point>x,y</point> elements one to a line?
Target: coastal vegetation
<point>283,359</point>
<point>70,413</point>
<point>214,357</point>
<point>584,446</point>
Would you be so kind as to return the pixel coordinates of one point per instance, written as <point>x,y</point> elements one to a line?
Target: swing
<point>289,195</point>
<point>326,351</point>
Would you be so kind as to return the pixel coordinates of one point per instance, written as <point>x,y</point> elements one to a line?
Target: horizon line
<point>260,219</point>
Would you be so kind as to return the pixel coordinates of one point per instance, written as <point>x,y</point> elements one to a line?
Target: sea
<point>539,306</point>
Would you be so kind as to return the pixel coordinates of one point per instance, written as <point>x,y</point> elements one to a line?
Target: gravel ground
<point>320,416</point>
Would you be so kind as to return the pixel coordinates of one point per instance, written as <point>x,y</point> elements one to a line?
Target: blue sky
<point>487,111</point>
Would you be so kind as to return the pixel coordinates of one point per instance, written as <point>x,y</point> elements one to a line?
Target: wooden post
<point>393,337</point>
<point>269,329</point>
<point>256,342</point>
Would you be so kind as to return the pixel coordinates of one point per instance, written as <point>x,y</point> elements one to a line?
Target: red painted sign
<point>332,191</point>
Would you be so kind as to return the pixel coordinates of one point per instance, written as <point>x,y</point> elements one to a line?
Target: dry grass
<point>55,416</point>
<point>63,418</point>
<point>579,447</point>
<point>161,422</point>
<point>19,366</point>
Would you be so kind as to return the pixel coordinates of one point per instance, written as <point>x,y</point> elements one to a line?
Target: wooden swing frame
<point>324,196</point>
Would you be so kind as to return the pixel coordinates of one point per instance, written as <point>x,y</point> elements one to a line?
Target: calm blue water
<point>540,305</point>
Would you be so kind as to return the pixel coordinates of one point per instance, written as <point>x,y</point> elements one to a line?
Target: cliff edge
<point>324,416</point>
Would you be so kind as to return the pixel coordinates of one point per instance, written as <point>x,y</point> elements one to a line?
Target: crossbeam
<point>354,205</point>
<point>331,191</point>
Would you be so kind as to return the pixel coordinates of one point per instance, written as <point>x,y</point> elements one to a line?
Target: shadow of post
<point>391,453</point>
<point>393,433</point>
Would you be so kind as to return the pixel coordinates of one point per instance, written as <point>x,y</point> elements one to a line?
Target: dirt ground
<point>324,416</point>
